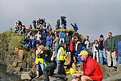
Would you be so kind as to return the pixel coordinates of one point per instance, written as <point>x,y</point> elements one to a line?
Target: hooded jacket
<point>92,69</point>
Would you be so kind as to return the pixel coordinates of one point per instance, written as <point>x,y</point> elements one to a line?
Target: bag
<point>68,61</point>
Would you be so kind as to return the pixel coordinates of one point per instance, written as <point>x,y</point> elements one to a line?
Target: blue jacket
<point>33,41</point>
<point>75,28</point>
<point>48,39</point>
<point>83,48</point>
<point>44,34</point>
<point>61,35</point>
<point>119,47</point>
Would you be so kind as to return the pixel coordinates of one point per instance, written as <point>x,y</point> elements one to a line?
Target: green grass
<point>13,39</point>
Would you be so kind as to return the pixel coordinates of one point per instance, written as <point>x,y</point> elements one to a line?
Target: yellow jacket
<point>39,60</point>
<point>61,55</point>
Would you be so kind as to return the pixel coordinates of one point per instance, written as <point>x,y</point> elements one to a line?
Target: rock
<point>25,76</point>
<point>119,68</point>
<point>16,50</point>
<point>17,69</point>
<point>19,64</point>
<point>105,72</point>
<point>14,63</point>
<point>116,77</point>
<point>33,70</point>
<point>24,65</point>
<point>20,53</point>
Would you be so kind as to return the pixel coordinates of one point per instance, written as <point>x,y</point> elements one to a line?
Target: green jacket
<point>108,44</point>
<point>56,41</point>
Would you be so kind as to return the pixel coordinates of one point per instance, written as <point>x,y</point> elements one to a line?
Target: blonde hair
<point>42,47</point>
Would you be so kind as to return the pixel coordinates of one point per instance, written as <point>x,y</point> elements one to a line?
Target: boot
<point>37,74</point>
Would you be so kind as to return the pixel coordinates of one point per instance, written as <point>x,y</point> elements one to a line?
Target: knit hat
<point>101,36</point>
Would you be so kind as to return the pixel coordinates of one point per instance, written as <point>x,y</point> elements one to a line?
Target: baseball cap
<point>83,53</point>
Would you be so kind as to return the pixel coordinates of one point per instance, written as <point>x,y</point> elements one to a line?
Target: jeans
<point>102,54</point>
<point>51,67</point>
<point>21,32</point>
<point>41,65</point>
<point>119,60</point>
<point>67,47</point>
<point>61,39</point>
<point>27,46</point>
<point>96,53</point>
<point>56,49</point>
<point>49,48</point>
<point>32,45</point>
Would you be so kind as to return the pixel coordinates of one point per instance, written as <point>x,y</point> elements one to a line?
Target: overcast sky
<point>93,17</point>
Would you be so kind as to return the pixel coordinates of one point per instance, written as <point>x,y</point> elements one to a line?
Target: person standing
<point>72,49</point>
<point>119,53</point>
<point>95,50</point>
<point>34,23</point>
<point>61,57</point>
<point>110,45</point>
<point>102,52</point>
<point>86,42</point>
<point>56,44</point>
<point>67,39</point>
<point>48,41</point>
<point>61,36</point>
<point>38,36</point>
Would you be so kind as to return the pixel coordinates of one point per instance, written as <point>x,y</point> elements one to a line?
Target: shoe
<point>37,74</point>
<point>115,68</point>
<point>37,77</point>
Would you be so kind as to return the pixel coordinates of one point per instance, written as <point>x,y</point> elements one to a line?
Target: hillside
<point>18,59</point>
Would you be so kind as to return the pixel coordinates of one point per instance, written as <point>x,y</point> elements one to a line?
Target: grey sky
<point>93,17</point>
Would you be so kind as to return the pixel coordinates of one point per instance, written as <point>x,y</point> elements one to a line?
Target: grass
<point>13,39</point>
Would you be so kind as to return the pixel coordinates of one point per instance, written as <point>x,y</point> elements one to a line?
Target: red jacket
<point>72,46</point>
<point>92,69</point>
<point>30,27</point>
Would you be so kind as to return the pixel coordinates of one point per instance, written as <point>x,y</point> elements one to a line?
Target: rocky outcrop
<point>19,61</point>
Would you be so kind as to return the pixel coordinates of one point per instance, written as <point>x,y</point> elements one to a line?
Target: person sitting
<point>91,70</point>
<point>33,42</point>
<point>50,67</point>
<point>30,27</point>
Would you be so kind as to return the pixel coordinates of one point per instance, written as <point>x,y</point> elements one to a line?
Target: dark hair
<point>101,36</point>
<point>87,36</point>
<point>62,45</point>
<point>95,40</point>
<point>110,32</point>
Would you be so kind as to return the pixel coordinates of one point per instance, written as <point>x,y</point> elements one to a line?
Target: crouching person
<point>40,62</point>
<point>90,69</point>
<point>51,67</point>
<point>61,57</point>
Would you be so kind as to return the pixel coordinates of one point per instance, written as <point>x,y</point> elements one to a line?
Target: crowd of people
<point>52,49</point>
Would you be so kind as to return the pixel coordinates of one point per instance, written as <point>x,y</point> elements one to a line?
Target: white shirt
<point>94,48</point>
<point>87,44</point>
<point>38,36</point>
